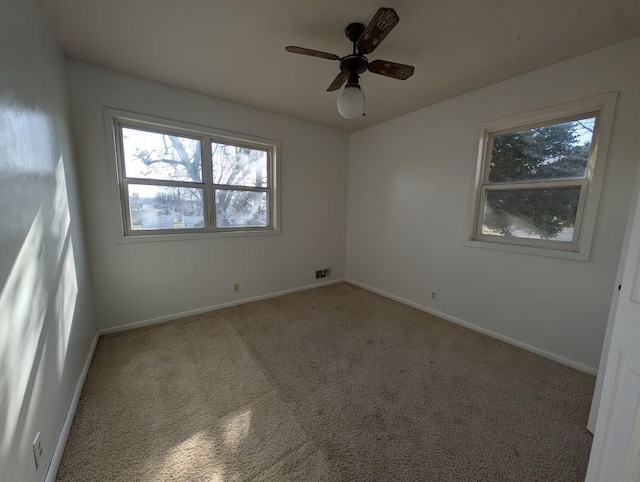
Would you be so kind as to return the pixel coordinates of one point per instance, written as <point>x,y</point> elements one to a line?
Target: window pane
<point>161,207</point>
<point>241,208</point>
<point>559,151</point>
<point>239,166</point>
<point>531,213</point>
<point>150,155</point>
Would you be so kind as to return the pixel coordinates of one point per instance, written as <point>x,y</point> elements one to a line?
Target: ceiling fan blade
<point>381,24</point>
<point>338,82</point>
<point>312,53</point>
<point>391,69</point>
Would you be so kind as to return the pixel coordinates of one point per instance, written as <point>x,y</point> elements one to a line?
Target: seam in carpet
<point>278,392</point>
<point>278,459</point>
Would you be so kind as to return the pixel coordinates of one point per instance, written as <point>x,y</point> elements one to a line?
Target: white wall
<point>140,281</point>
<point>46,322</point>
<point>408,193</point>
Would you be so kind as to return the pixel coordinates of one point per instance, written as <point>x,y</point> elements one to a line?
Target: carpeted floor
<point>335,383</point>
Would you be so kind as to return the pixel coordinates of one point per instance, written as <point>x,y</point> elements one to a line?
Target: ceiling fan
<point>365,41</point>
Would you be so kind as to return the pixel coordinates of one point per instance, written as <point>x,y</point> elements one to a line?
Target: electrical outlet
<point>37,450</point>
<point>323,273</point>
<point>434,295</point>
<point>236,287</point>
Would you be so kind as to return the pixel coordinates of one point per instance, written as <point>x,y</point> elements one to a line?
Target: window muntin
<point>173,180</point>
<point>535,183</point>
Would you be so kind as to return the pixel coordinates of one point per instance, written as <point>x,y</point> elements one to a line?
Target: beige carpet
<point>331,384</point>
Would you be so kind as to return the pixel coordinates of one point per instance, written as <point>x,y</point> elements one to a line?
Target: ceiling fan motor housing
<point>356,63</point>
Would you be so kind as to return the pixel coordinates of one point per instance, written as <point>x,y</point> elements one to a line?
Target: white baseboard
<point>206,309</point>
<point>525,346</point>
<point>54,465</point>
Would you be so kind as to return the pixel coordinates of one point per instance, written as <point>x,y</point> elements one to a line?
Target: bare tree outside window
<point>245,168</point>
<point>167,182</point>
<point>159,156</point>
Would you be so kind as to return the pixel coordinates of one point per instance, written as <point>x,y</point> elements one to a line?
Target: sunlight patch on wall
<point>60,215</point>
<point>28,157</point>
<point>23,304</point>
<point>65,302</point>
<point>67,287</point>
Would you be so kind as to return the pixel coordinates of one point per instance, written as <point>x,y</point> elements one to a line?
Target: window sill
<point>517,248</point>
<point>151,238</point>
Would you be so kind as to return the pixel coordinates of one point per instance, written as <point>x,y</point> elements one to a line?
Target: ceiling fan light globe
<point>351,102</point>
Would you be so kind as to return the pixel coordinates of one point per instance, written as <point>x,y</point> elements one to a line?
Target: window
<point>539,177</point>
<point>176,179</point>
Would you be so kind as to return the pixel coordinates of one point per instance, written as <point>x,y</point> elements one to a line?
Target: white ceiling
<point>234,49</point>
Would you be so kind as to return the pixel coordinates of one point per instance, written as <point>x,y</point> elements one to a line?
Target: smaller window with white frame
<point>539,177</point>
<point>180,179</point>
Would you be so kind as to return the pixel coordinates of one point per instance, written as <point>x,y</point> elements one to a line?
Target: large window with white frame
<point>178,179</point>
<point>538,179</point>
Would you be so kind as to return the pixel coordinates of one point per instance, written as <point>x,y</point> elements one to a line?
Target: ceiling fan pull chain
<point>364,98</point>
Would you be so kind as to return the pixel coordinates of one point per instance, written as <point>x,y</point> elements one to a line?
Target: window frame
<point>116,120</point>
<point>602,107</point>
